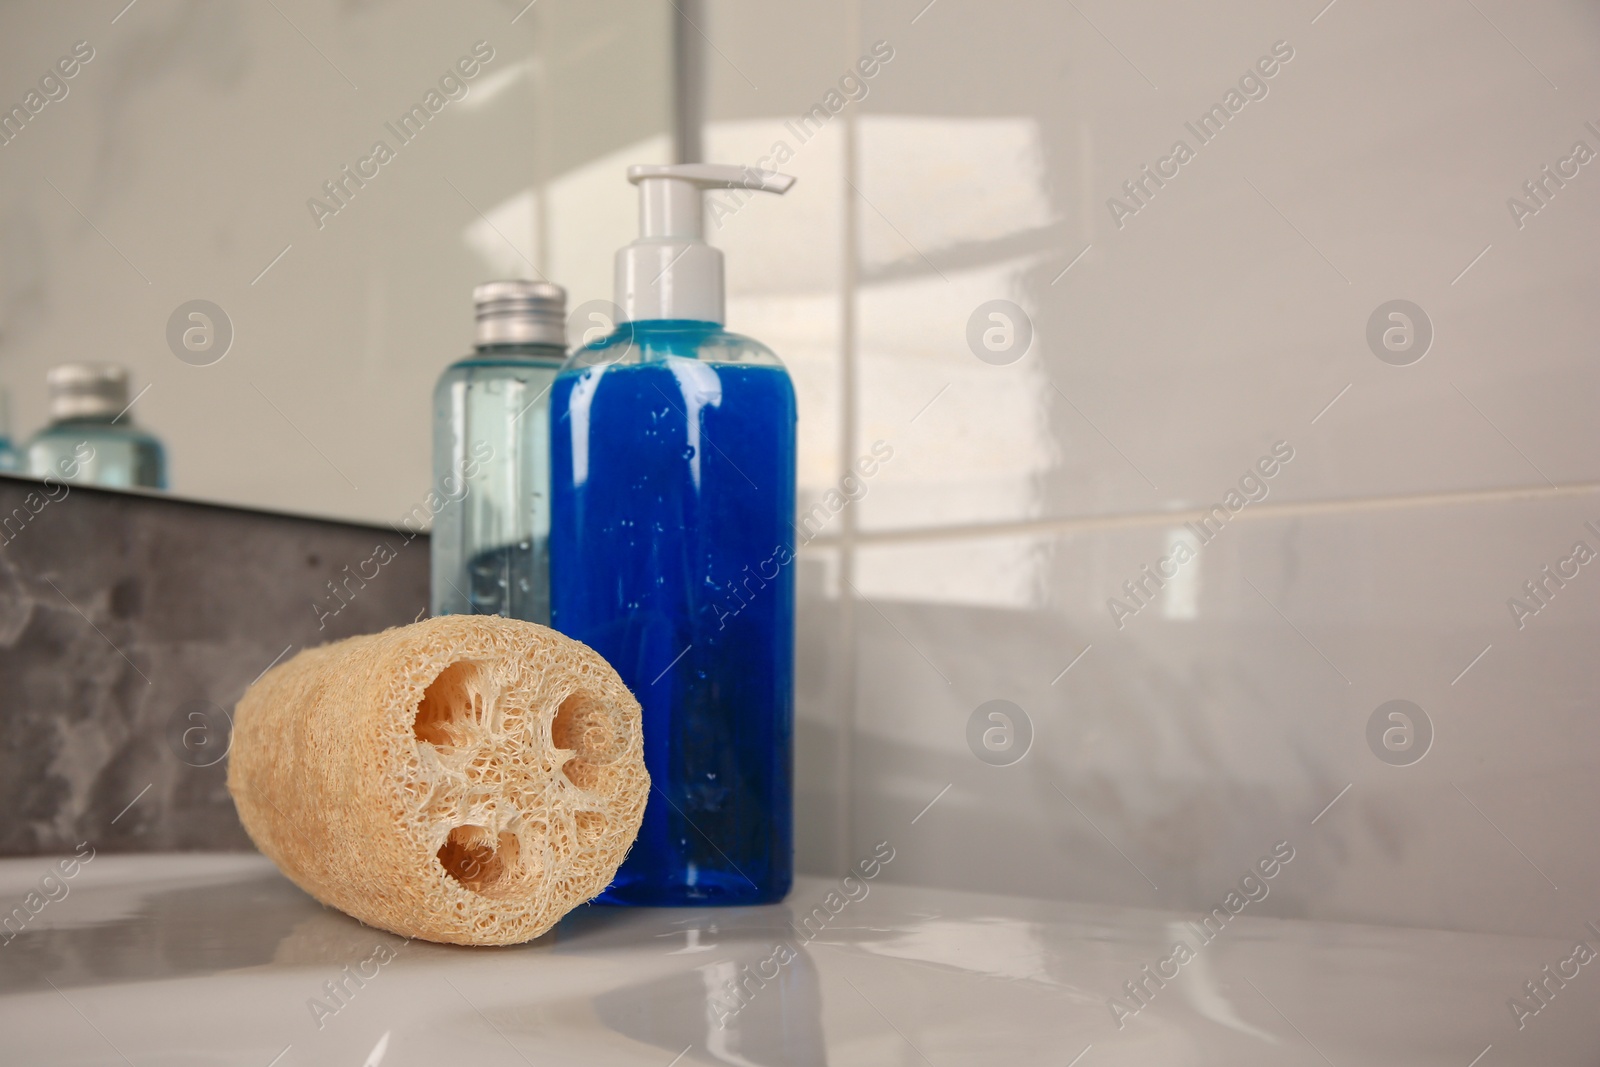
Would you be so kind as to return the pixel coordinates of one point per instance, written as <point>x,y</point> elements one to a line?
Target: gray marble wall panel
<point>130,624</point>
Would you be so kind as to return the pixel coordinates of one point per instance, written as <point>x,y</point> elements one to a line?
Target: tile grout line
<point>1255,513</point>
<point>848,224</point>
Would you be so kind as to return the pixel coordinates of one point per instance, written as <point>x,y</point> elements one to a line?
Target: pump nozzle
<point>670,272</point>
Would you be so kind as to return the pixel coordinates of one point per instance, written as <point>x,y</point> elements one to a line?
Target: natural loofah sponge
<point>467,779</point>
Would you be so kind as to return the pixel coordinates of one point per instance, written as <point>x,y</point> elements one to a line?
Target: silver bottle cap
<point>87,390</point>
<point>521,313</point>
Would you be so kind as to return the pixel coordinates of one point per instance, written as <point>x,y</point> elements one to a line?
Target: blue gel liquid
<point>671,553</point>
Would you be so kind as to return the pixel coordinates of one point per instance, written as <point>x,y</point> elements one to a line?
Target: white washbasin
<point>217,959</point>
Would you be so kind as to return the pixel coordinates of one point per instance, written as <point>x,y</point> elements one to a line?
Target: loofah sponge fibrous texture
<point>466,779</point>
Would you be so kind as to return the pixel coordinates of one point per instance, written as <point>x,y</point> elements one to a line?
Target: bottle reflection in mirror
<point>10,459</point>
<point>89,405</point>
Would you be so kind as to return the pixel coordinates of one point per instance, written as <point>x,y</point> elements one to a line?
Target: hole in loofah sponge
<point>452,700</point>
<point>473,858</point>
<point>581,726</point>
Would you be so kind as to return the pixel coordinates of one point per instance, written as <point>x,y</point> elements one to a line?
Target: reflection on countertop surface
<point>178,959</point>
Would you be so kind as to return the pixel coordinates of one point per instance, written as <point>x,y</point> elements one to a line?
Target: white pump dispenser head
<point>670,272</point>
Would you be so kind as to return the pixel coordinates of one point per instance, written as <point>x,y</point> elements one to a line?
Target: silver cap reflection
<point>87,390</point>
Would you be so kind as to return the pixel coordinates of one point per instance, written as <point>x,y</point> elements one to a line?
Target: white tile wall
<point>1169,355</point>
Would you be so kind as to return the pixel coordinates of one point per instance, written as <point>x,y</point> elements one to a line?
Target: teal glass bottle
<point>491,457</point>
<point>91,438</point>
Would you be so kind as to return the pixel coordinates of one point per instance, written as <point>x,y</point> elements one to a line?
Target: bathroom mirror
<point>273,214</point>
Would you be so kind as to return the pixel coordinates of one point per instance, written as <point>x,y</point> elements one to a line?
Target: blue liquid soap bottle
<point>491,457</point>
<point>672,552</point>
<point>91,437</point>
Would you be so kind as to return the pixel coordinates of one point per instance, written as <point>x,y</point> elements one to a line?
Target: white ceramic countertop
<point>217,959</point>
